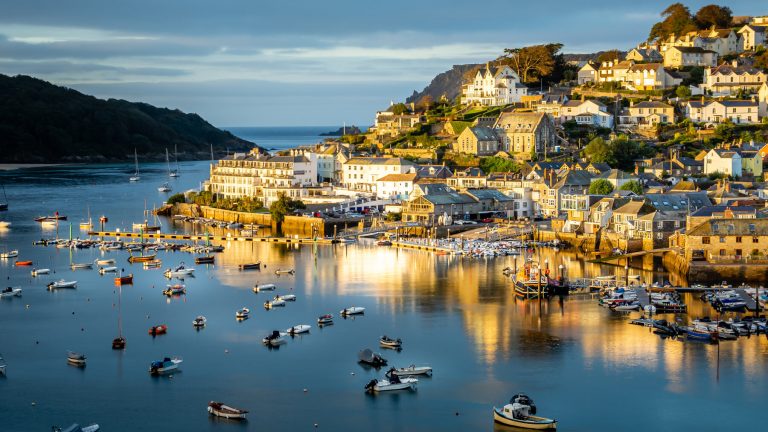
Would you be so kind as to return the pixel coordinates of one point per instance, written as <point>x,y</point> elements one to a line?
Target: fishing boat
<point>529,291</point>
<point>279,272</point>
<point>81,266</point>
<point>62,284</point>
<point>264,287</point>
<point>141,258</point>
<point>180,271</point>
<point>136,176</point>
<point>124,280</point>
<point>392,383</point>
<point>412,370</point>
<point>520,412</point>
<point>38,272</point>
<point>298,329</point>
<point>219,409</point>
<point>200,321</point>
<point>352,310</point>
<point>388,342</point>
<point>273,339</point>
<point>105,270</point>
<point>22,263</point>
<point>158,330</point>
<point>286,297</point>
<point>10,254</point>
<point>176,289</point>
<point>76,358</point>
<point>164,188</point>
<point>242,313</point>
<point>371,358</point>
<point>207,259</point>
<point>276,302</point>
<point>250,266</point>
<point>165,365</point>
<point>325,319</point>
<point>10,292</point>
<point>103,262</point>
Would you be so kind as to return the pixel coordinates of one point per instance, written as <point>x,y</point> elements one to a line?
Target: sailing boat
<point>118,343</point>
<point>87,225</point>
<point>136,177</point>
<point>177,172</point>
<point>4,204</point>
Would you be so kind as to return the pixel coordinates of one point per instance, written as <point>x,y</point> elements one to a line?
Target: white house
<point>492,86</point>
<point>395,186</point>
<point>762,101</point>
<point>586,112</point>
<point>680,56</point>
<point>248,175</point>
<point>723,161</point>
<point>737,111</point>
<point>587,74</point>
<point>650,76</point>
<point>729,78</point>
<point>752,36</point>
<point>361,173</point>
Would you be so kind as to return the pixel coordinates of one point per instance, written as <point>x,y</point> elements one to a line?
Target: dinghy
<point>38,272</point>
<point>298,329</point>
<point>158,330</point>
<point>269,304</point>
<point>76,358</point>
<point>62,284</point>
<point>391,384</point>
<point>9,254</point>
<point>221,410</point>
<point>77,428</point>
<point>265,287</point>
<point>242,313</point>
<point>388,342</point>
<point>165,365</point>
<point>103,262</point>
<point>175,290</point>
<point>353,310</point>
<point>325,319</point>
<point>2,366</point>
<point>412,370</point>
<point>10,292</point>
<point>369,357</point>
<point>287,297</point>
<point>22,263</point>
<point>520,412</point>
<point>179,271</point>
<point>200,321</point>
<point>279,272</point>
<point>250,266</point>
<point>207,259</point>
<point>124,280</point>
<point>273,339</point>
<point>81,266</point>
<point>104,270</point>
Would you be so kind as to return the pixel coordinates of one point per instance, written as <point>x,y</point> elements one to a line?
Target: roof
<point>489,193</point>
<point>736,227</point>
<point>678,201</point>
<point>727,69</point>
<point>636,207</point>
<point>483,133</point>
<point>692,50</point>
<point>754,28</point>
<point>616,174</point>
<point>520,122</point>
<point>600,166</point>
<point>433,171</point>
<point>709,211</point>
<point>378,161</point>
<point>684,186</point>
<point>398,177</point>
<point>574,178</point>
<point>651,104</point>
<point>645,66</point>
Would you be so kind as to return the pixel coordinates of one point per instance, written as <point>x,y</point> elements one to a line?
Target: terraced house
<point>727,241</point>
<point>735,111</point>
<point>730,78</point>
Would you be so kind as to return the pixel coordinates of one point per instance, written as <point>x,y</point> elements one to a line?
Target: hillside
<point>44,123</point>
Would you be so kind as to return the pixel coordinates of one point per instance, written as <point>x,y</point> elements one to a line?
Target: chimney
<point>735,63</point>
<point>631,103</point>
<point>727,185</point>
<point>582,97</point>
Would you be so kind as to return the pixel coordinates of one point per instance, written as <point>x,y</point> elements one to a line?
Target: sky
<point>298,62</point>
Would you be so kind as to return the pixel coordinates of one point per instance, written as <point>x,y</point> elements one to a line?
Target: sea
<point>583,364</point>
<point>276,138</point>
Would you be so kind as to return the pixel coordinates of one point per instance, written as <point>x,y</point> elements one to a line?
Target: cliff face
<point>447,83</point>
<point>44,123</point>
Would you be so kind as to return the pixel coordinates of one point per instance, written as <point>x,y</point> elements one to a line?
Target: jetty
<point>207,237</point>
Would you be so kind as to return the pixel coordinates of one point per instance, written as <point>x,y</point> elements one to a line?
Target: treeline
<point>44,123</point>
<point>678,20</point>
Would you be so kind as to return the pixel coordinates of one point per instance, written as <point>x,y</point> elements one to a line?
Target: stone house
<point>478,141</point>
<point>525,133</point>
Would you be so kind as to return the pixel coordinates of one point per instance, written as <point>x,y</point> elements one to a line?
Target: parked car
<point>486,220</point>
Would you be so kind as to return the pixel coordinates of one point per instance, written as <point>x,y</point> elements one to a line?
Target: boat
<point>177,289</point>
<point>77,428</point>
<point>221,410</point>
<point>388,342</point>
<point>250,266</point>
<point>76,358</point>
<point>392,383</point>
<point>10,292</point>
<point>371,358</point>
<point>4,224</point>
<point>242,313</point>
<point>104,270</point>
<point>264,287</point>
<point>103,262</point>
<point>165,365</point>
<point>124,280</point>
<point>135,177</point>
<point>4,204</point>
<point>22,263</point>
<point>38,272</point>
<point>164,188</point>
<point>141,258</point>
<point>298,329</point>
<point>56,217</point>
<point>158,330</point>
<point>62,284</point>
<point>200,321</point>
<point>412,370</point>
<point>352,310</point>
<point>520,412</point>
<point>383,243</point>
<point>625,306</point>
<point>2,366</point>
<point>287,297</point>
<point>80,266</point>
<point>179,271</point>
<point>155,263</point>
<point>325,319</point>
<point>699,333</point>
<point>118,343</point>
<point>529,290</point>
<point>273,339</point>
<point>207,259</point>
<point>177,172</point>
<point>279,272</point>
<point>10,254</point>
<point>277,302</point>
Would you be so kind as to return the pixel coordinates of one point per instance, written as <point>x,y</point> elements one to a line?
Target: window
<point>722,239</point>
<point>738,240</point>
<point>754,239</point>
<point>722,252</point>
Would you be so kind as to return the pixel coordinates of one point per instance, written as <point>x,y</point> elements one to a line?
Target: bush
<point>176,199</point>
<point>600,187</point>
<point>633,186</point>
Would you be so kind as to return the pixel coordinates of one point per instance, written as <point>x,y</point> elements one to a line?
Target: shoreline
<point>18,166</point>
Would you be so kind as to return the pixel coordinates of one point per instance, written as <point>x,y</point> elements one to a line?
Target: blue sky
<point>261,63</point>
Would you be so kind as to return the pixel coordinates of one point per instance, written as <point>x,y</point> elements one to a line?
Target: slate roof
<point>735,227</point>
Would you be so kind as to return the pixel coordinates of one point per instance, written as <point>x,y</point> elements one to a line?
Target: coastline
<point>17,166</point>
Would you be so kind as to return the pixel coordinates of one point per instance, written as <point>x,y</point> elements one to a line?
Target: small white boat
<point>10,254</point>
<point>242,313</point>
<point>290,271</point>
<point>298,329</point>
<point>221,410</point>
<point>264,287</point>
<point>177,289</point>
<point>103,262</point>
<point>412,370</point>
<point>76,358</point>
<point>62,284</point>
<point>391,384</point>
<point>353,310</point>
<point>287,297</point>
<point>325,319</point>
<point>77,428</point>
<point>81,266</point>
<point>104,270</point>
<point>269,304</point>
<point>388,342</point>
<point>165,365</point>
<point>4,224</point>
<point>164,188</point>
<point>274,339</point>
<point>10,292</point>
<point>38,272</point>
<point>199,321</point>
<point>179,271</point>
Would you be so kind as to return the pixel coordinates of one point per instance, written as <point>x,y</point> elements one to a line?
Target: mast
<point>176,156</point>
<point>136,159</point>
<point>167,161</point>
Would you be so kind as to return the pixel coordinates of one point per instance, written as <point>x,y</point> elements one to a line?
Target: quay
<point>183,237</point>
<point>438,249</point>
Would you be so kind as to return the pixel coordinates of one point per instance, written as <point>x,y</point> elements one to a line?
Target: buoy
<point>34,403</point>
<point>73,312</point>
<point>457,413</point>
<point>305,390</point>
<point>82,329</point>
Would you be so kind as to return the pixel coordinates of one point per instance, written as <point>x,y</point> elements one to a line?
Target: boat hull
<point>535,423</point>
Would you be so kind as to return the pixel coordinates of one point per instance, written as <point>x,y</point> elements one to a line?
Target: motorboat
<point>165,365</point>
<point>384,243</point>
<point>277,302</point>
<point>158,330</point>
<point>520,412</point>
<point>353,310</point>
<point>250,266</point>
<point>141,258</point>
<point>388,342</point>
<point>177,289</point>
<point>412,370</point>
<point>279,272</point>
<point>104,262</point>
<point>287,297</point>
<point>298,329</point>
<point>111,269</point>
<point>242,313</point>
<point>625,306</point>
<point>219,409</point>
<point>207,259</point>
<point>200,321</point>
<point>264,287</point>
<point>10,292</point>
<point>76,358</point>
<point>179,271</point>
<point>325,319</point>
<point>124,280</point>
<point>371,358</point>
<point>22,263</point>
<point>164,188</point>
<point>62,284</point>
<point>38,272</point>
<point>77,428</point>
<point>10,254</point>
<point>392,383</point>
<point>273,339</point>
<point>699,333</point>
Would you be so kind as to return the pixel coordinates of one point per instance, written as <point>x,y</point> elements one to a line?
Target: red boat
<point>23,263</point>
<point>158,330</point>
<point>124,280</point>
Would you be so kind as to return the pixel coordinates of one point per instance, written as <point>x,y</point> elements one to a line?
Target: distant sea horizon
<point>276,138</point>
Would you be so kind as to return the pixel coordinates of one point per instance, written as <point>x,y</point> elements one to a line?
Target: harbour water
<point>584,365</point>
<point>275,138</point>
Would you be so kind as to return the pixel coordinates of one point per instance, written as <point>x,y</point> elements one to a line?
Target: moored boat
<point>371,358</point>
<point>104,262</point>
<point>2,366</point>
<point>221,410</point>
<point>10,292</point>
<point>412,370</point>
<point>250,266</point>
<point>111,269</point>
<point>177,289</point>
<point>277,302</point>
<point>22,263</point>
<point>520,412</point>
<point>273,339</point>
<point>118,343</point>
<point>200,321</point>
<point>9,254</point>
<point>76,358</point>
<point>141,258</point>
<point>165,365</point>
<point>298,329</point>
<point>289,271</point>
<point>180,271</point>
<point>325,319</point>
<point>207,259</point>
<point>81,266</point>
<point>242,313</point>
<point>392,383</point>
<point>352,310</point>
<point>77,428</point>
<point>124,280</point>
<point>158,330</point>
<point>388,342</point>
<point>38,272</point>
<point>286,297</point>
<point>263,287</point>
<point>62,284</point>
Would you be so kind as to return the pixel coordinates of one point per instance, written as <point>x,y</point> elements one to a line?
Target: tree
<point>532,62</point>
<point>176,199</point>
<point>633,186</point>
<point>600,187</point>
<point>612,55</point>
<point>283,206</point>
<point>761,60</point>
<point>677,20</point>
<point>683,92</point>
<point>498,164</point>
<point>714,15</point>
<point>399,109</point>
<point>598,151</point>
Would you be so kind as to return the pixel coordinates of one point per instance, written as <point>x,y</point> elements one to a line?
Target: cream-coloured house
<point>650,76</point>
<point>613,71</point>
<point>525,133</point>
<point>723,161</point>
<point>681,56</point>
<point>396,186</point>
<point>492,86</point>
<point>645,55</point>
<point>762,101</point>
<point>721,41</point>
<point>752,36</point>
<point>727,78</point>
<point>361,173</point>
<point>390,124</point>
<point>736,111</point>
<point>647,113</point>
<point>478,141</point>
<point>586,112</point>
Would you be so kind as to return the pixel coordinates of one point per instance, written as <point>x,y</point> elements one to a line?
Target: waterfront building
<point>553,187</point>
<point>493,86</point>
<point>726,241</point>
<point>395,186</point>
<point>468,178</point>
<point>512,185</point>
<point>437,203</point>
<point>524,134</point>
<point>361,173</point>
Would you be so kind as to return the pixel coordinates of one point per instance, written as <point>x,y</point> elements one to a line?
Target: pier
<point>188,237</point>
<point>424,247</point>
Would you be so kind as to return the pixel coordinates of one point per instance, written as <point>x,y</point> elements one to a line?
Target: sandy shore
<point>9,167</point>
